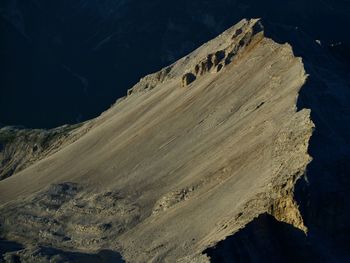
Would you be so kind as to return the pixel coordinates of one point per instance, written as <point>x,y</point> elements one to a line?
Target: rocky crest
<point>210,58</point>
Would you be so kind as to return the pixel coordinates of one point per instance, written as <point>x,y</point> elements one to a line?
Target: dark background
<point>65,61</point>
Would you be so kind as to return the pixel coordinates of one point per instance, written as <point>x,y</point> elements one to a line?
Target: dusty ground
<point>189,157</point>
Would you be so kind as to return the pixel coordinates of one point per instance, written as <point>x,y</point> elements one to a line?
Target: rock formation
<point>21,147</point>
<point>197,154</point>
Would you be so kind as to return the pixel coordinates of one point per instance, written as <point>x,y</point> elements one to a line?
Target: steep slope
<point>193,154</point>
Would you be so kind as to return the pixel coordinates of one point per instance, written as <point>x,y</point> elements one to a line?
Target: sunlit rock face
<point>209,158</point>
<point>174,167</point>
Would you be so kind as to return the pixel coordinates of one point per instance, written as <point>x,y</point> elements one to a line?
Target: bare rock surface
<point>192,155</point>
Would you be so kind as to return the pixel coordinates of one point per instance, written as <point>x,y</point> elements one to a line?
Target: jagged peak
<point>211,57</point>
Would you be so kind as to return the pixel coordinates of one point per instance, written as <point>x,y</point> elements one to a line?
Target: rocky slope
<point>196,152</point>
<point>19,147</point>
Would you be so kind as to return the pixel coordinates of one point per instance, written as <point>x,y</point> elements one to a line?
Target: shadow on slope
<point>9,246</point>
<point>322,193</point>
<point>264,240</point>
<point>15,252</point>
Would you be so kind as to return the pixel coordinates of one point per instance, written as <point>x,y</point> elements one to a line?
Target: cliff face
<point>192,155</point>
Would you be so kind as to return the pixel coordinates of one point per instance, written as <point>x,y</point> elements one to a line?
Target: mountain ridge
<point>229,146</point>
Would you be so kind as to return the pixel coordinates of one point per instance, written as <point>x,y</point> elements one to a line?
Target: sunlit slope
<point>192,154</point>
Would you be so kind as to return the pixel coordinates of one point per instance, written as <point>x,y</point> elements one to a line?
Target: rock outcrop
<point>209,58</point>
<point>19,148</point>
<point>194,154</point>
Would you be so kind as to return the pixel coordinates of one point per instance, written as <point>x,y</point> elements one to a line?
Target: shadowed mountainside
<point>322,193</point>
<point>14,252</point>
<point>265,240</point>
